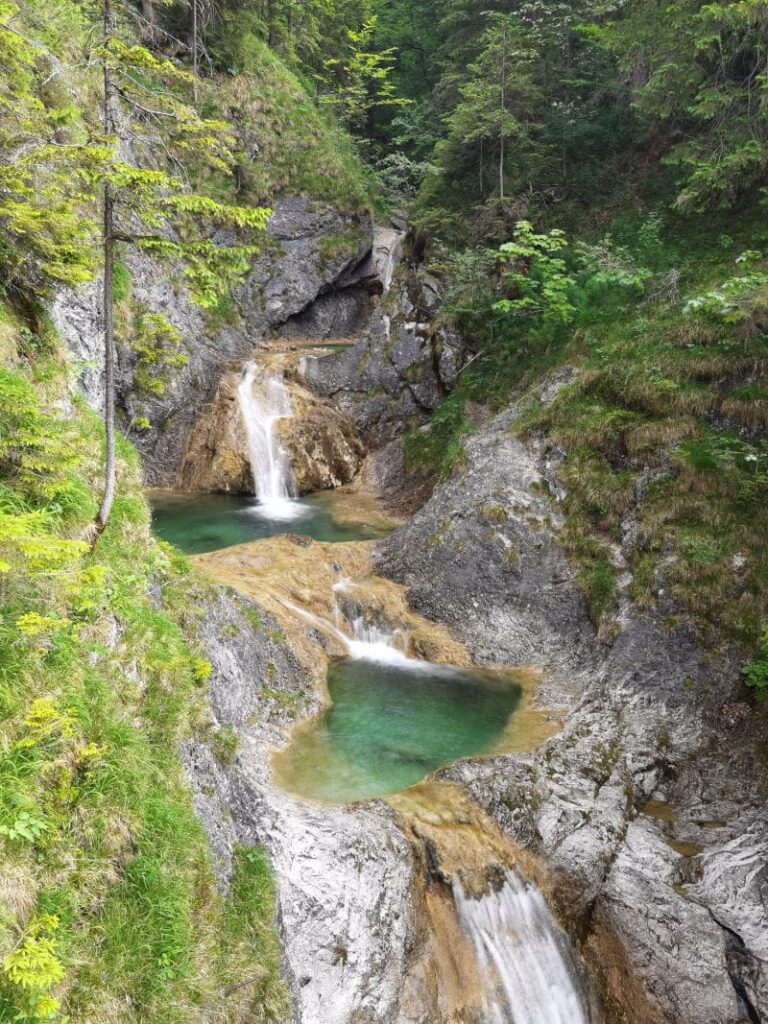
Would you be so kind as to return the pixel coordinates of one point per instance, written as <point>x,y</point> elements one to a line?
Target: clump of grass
<point>437,449</point>
<point>112,883</point>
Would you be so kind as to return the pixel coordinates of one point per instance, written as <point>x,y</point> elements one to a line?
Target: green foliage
<point>741,300</point>
<point>155,343</point>
<point>702,70</point>
<point>48,234</point>
<point>535,273</point>
<point>250,919</point>
<point>437,448</point>
<point>359,82</point>
<point>97,689</point>
<point>33,968</point>
<point>224,744</point>
<point>756,672</point>
<point>121,282</point>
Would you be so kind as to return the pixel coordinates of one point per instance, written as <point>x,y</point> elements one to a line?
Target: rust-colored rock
<point>216,458</point>
<point>323,446</point>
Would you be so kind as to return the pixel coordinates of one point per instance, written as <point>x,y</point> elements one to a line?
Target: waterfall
<point>272,476</point>
<point>368,642</point>
<point>524,956</point>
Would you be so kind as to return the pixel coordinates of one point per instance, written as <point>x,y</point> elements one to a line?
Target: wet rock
<point>323,446</point>
<point>344,875</point>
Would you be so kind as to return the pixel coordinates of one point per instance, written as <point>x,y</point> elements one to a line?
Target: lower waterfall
<point>272,478</point>
<point>523,955</point>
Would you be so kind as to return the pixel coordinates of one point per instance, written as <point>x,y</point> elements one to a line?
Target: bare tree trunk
<point>503,112</point>
<point>195,44</point>
<point>107,300</point>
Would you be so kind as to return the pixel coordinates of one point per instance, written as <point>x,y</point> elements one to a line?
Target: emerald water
<point>207,522</point>
<point>392,723</point>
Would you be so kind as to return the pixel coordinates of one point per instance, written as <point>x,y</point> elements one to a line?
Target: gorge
<point>416,673</point>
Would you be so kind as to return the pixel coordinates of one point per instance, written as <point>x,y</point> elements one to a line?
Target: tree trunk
<point>503,112</point>
<point>195,43</point>
<point>107,300</point>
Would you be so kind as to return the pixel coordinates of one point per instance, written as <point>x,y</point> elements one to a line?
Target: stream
<point>389,721</point>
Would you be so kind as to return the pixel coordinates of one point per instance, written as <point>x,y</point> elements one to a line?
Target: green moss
<point>224,743</point>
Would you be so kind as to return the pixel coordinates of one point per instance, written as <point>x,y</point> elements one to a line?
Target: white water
<point>524,955</point>
<point>262,404</point>
<point>367,642</point>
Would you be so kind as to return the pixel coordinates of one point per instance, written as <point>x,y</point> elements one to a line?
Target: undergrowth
<point>663,425</point>
<point>108,908</point>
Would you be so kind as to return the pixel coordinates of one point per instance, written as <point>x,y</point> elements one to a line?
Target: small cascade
<point>523,955</point>
<point>272,476</point>
<point>364,640</point>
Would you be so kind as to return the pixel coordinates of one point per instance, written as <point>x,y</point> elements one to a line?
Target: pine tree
<point>498,101</point>
<point>47,233</point>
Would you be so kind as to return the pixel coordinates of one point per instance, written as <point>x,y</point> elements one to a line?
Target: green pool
<point>207,522</point>
<point>391,724</point>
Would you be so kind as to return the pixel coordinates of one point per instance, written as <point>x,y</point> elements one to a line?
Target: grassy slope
<point>107,901</point>
<point>108,911</point>
<point>662,429</point>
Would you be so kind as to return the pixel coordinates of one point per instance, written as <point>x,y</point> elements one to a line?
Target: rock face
<point>343,873</point>
<point>402,366</point>
<point>674,912</point>
<point>322,444</point>
<point>312,249</point>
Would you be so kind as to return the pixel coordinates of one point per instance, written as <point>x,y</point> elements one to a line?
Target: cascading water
<point>368,642</point>
<point>523,955</point>
<point>272,477</point>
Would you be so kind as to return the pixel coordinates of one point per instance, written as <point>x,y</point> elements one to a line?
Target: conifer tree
<point>498,100</point>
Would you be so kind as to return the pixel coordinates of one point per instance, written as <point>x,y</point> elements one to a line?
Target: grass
<point>664,430</point>
<point>107,884</point>
<point>288,144</point>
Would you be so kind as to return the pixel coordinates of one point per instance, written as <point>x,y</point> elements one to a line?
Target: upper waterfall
<point>262,404</point>
<point>523,954</point>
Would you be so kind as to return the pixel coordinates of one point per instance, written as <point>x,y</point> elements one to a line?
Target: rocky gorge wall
<point>650,814</point>
<point>312,251</point>
<point>645,811</point>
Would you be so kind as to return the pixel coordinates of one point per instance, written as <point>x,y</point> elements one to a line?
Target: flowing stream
<point>263,403</point>
<point>394,720</point>
<point>524,955</point>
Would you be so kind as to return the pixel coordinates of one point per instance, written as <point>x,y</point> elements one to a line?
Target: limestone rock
<point>400,369</point>
<point>296,267</point>
<point>323,446</point>
<point>682,909</point>
<point>216,458</point>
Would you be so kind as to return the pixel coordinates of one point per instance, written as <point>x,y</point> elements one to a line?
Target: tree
<point>143,93</point>
<point>698,76</point>
<point>360,82</point>
<point>499,100</point>
<point>47,230</point>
